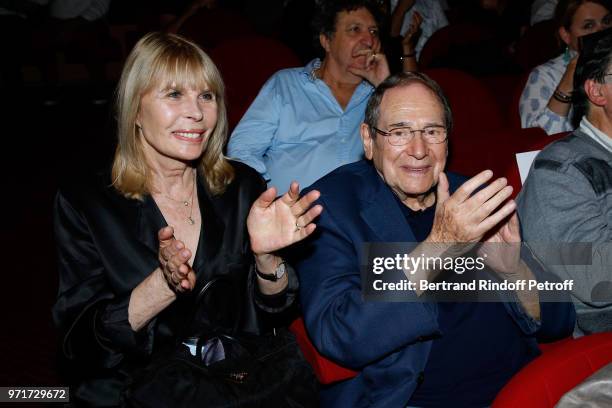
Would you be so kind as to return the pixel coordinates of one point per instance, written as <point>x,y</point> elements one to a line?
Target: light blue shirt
<point>296,129</point>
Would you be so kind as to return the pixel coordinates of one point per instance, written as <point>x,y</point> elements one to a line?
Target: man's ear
<point>595,92</point>
<point>564,35</point>
<point>368,141</point>
<point>324,42</point>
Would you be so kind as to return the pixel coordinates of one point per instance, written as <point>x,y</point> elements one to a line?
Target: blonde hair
<point>171,60</point>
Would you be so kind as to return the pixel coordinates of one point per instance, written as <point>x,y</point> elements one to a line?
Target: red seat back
<point>208,28</point>
<point>446,40</point>
<point>507,90</point>
<point>476,120</point>
<point>243,80</point>
<point>544,381</point>
<point>474,107</point>
<point>537,45</point>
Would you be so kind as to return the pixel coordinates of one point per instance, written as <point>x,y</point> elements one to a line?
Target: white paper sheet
<point>524,161</point>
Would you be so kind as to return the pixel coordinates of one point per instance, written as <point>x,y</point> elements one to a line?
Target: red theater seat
<point>474,107</point>
<point>537,45</point>
<point>477,120</point>
<point>507,90</point>
<point>449,40</point>
<point>208,28</point>
<point>543,382</point>
<point>242,83</point>
<point>327,371</point>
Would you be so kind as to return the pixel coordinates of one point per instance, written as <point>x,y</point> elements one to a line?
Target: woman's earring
<point>566,55</point>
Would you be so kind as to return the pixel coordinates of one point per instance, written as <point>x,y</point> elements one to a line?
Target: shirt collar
<point>310,72</point>
<point>600,137</point>
<point>311,68</point>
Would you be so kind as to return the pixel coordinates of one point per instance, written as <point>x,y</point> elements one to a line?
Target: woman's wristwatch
<point>276,275</point>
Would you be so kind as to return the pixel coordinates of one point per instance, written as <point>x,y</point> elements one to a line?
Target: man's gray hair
<point>372,113</point>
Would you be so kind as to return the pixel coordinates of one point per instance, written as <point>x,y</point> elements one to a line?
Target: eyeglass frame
<point>412,134</point>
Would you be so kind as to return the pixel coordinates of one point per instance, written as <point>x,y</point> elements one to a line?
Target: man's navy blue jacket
<point>385,341</point>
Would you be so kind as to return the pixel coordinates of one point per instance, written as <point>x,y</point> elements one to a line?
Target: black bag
<point>262,371</point>
<point>227,370</point>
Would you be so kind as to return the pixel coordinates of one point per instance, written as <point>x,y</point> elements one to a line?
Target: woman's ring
<point>297,226</point>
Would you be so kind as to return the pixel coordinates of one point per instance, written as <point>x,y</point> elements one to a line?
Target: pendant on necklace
<point>186,203</point>
<point>190,220</point>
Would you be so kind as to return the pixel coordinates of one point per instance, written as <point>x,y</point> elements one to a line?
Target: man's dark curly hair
<point>594,63</point>
<point>326,16</point>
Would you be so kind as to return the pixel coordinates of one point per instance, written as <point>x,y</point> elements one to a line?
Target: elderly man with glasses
<point>567,198</point>
<point>417,352</point>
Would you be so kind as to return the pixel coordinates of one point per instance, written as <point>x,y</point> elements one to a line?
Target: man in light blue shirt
<point>305,121</point>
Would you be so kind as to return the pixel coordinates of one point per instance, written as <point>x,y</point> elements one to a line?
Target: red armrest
<point>326,371</point>
<point>546,379</point>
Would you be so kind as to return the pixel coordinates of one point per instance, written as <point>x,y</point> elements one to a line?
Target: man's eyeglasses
<point>404,135</point>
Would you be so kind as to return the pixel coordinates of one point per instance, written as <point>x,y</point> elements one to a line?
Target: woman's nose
<point>193,110</point>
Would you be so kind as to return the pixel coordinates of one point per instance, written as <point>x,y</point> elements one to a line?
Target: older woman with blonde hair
<point>139,244</point>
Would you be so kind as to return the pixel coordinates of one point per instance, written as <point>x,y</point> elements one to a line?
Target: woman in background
<point>546,99</point>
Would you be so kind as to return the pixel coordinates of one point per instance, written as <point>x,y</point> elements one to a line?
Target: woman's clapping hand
<point>173,261</point>
<point>274,224</point>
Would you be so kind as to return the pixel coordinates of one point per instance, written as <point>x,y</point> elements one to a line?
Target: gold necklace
<point>188,202</point>
<point>190,220</point>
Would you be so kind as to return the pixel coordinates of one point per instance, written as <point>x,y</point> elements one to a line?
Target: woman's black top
<point>107,245</point>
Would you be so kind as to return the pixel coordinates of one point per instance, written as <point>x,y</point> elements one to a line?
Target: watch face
<point>280,270</point>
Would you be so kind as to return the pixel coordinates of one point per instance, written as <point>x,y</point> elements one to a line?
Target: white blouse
<point>542,82</point>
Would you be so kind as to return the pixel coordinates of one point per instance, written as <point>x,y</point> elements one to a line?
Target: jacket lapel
<point>211,236</point>
<point>151,220</point>
<point>380,211</point>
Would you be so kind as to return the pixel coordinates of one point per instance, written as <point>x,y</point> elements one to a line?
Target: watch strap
<point>275,276</point>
